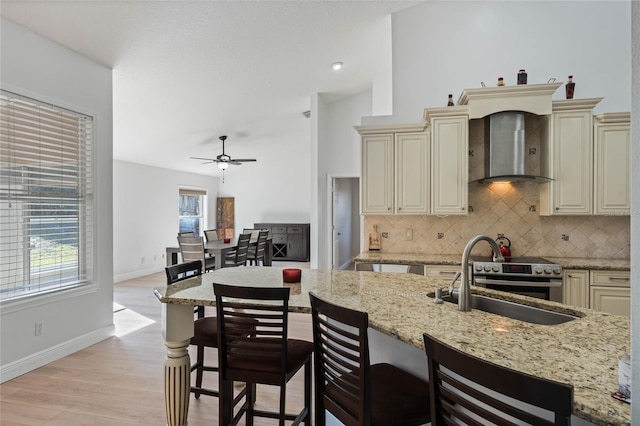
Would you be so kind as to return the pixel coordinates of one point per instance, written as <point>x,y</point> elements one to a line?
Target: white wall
<point>276,188</point>
<point>37,67</point>
<point>145,215</point>
<point>442,47</point>
<point>339,155</point>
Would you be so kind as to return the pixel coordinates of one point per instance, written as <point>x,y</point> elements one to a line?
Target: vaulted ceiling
<point>186,72</point>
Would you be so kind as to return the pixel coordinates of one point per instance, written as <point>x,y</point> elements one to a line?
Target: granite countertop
<point>455,259</point>
<point>583,352</point>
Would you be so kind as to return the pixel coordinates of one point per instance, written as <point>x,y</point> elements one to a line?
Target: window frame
<point>202,217</point>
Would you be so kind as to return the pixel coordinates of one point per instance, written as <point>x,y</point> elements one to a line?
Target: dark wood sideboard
<point>290,240</point>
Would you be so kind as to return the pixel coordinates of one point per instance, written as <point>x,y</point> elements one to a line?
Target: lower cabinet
<point>610,291</point>
<point>575,283</point>
<point>290,241</point>
<point>604,291</point>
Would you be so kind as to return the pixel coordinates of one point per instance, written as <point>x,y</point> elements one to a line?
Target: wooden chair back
<point>191,248</point>
<point>261,245</point>
<point>454,400</point>
<point>262,357</point>
<point>342,365</point>
<point>211,234</point>
<point>242,250</point>
<point>182,271</point>
<point>187,234</point>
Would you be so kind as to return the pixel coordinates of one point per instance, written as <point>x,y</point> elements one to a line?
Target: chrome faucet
<point>464,297</point>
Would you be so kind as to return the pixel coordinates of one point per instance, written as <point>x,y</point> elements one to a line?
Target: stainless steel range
<point>529,276</point>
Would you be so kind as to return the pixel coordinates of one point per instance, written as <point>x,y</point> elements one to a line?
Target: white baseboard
<point>31,362</point>
<point>137,274</point>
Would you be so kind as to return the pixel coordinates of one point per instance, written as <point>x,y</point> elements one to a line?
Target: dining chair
<point>267,356</point>
<point>468,390</point>
<point>239,256</point>
<point>192,248</point>
<point>211,234</point>
<point>252,231</point>
<point>259,252</point>
<point>187,234</point>
<point>348,386</point>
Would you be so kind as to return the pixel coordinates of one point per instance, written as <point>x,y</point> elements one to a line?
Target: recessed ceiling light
<point>336,66</point>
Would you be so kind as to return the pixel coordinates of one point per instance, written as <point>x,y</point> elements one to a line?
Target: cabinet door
<point>614,300</point>
<point>412,173</point>
<point>295,246</point>
<point>611,292</point>
<point>450,165</point>
<point>612,168</point>
<point>575,284</point>
<point>571,157</point>
<point>376,184</point>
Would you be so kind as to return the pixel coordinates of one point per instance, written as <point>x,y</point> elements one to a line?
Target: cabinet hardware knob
<point>557,208</point>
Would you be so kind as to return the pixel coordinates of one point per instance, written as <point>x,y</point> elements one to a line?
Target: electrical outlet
<point>565,237</point>
<point>385,235</point>
<point>142,260</point>
<point>408,234</point>
<point>39,328</point>
<point>440,235</point>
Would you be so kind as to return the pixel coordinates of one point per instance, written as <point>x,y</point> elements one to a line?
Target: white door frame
<point>330,178</point>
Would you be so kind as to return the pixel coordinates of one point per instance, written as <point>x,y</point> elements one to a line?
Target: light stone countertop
<point>583,352</point>
<point>455,259</point>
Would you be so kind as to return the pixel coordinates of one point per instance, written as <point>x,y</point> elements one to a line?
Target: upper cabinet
<point>449,159</point>
<point>569,159</point>
<point>395,170</point>
<point>612,163</point>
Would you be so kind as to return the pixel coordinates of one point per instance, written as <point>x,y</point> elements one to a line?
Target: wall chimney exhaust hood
<point>505,149</point>
<point>503,109</point>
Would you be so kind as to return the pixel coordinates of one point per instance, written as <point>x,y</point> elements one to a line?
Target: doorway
<point>345,224</point>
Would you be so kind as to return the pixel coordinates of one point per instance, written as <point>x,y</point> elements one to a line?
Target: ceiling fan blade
<point>235,163</point>
<point>244,160</point>
<point>201,158</point>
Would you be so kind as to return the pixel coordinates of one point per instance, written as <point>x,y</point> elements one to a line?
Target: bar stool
<point>351,389</point>
<point>455,399</point>
<point>266,356</point>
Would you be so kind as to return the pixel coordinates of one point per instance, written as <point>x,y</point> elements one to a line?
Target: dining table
<point>583,352</point>
<point>219,249</point>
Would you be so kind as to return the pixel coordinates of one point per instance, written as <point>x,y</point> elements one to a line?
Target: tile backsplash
<point>509,209</point>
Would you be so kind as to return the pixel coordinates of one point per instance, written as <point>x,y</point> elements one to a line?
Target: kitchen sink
<point>514,310</point>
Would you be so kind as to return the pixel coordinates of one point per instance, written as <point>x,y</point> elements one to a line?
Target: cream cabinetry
<point>568,159</point>
<point>610,291</point>
<point>412,173</point>
<point>445,272</point>
<point>612,163</point>
<point>575,283</point>
<point>449,159</point>
<point>377,174</point>
<point>395,170</point>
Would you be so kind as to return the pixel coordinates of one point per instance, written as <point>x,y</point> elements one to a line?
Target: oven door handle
<point>550,283</point>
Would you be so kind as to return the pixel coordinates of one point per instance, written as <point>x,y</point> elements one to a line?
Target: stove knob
<point>487,268</point>
<point>496,268</point>
<point>478,268</point>
<point>547,270</point>
<point>538,270</point>
<point>557,271</point>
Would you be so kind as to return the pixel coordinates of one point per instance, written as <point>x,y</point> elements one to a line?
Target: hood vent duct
<point>505,149</point>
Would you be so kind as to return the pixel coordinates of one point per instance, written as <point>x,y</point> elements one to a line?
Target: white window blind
<point>46,197</point>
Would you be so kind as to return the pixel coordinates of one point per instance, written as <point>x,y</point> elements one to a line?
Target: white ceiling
<point>186,72</point>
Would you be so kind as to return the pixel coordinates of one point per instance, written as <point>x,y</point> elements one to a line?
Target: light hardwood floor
<point>119,381</point>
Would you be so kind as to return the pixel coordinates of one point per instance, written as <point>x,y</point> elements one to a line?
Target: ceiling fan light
<point>336,66</point>
<point>223,166</point>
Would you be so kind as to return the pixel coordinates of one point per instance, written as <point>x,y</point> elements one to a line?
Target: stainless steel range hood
<point>505,149</point>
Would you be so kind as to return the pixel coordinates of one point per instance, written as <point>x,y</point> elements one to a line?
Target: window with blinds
<point>191,211</point>
<point>46,197</point>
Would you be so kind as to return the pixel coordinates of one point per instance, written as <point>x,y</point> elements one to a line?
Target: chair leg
<point>199,369</point>
<point>225,401</point>
<point>307,391</point>
<point>251,403</point>
<point>283,400</point>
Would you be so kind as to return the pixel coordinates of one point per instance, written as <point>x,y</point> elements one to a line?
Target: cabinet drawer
<point>612,300</point>
<point>294,229</point>
<point>610,278</point>
<point>279,239</point>
<point>441,271</point>
<point>279,229</point>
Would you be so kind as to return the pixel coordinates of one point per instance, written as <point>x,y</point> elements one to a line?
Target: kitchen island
<point>582,352</point>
